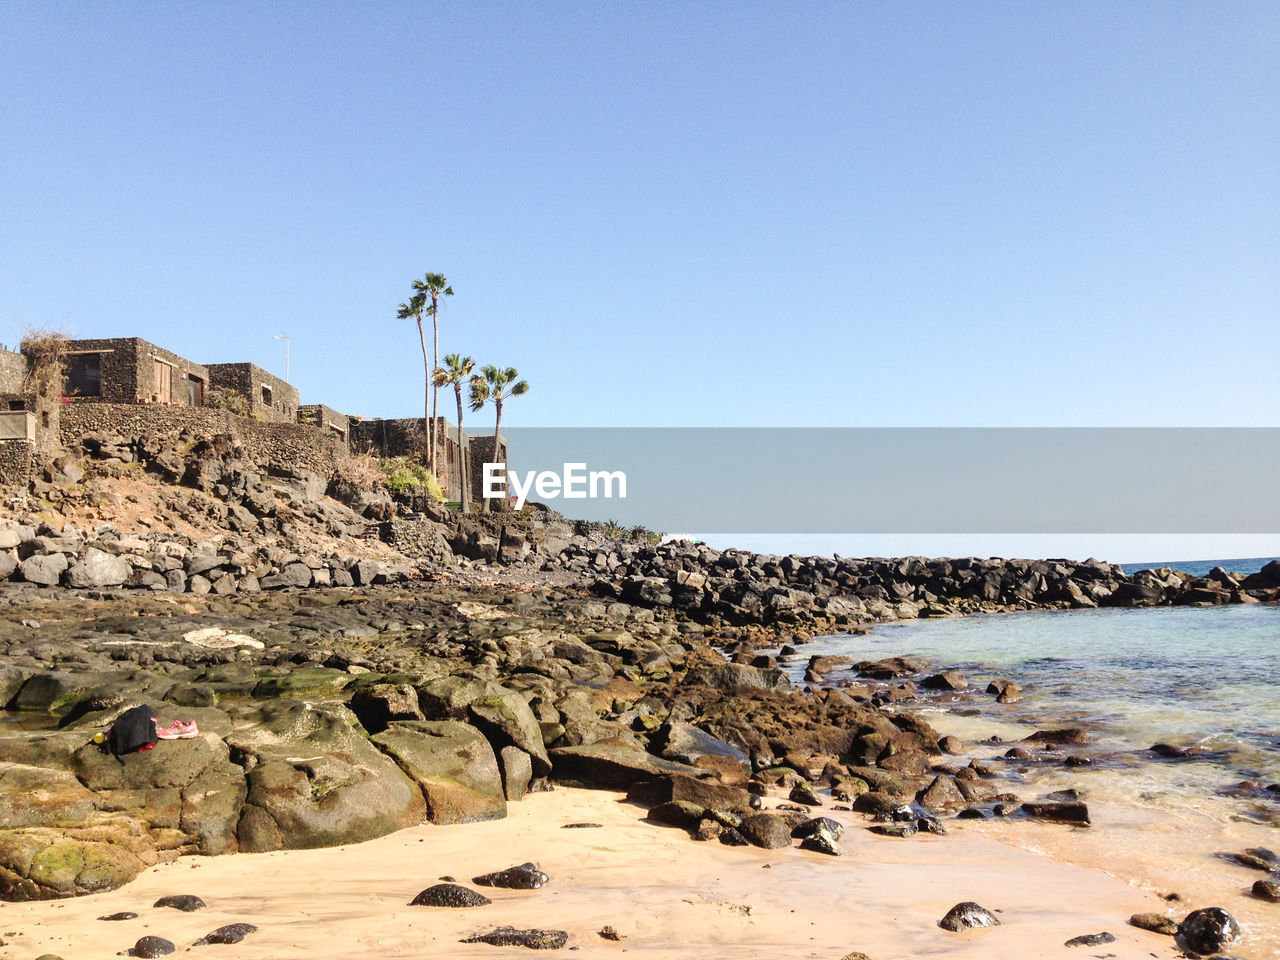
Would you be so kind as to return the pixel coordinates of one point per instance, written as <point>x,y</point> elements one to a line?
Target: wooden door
<point>164,382</point>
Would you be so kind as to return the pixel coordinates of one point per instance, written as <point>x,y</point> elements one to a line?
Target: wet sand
<point>668,896</point>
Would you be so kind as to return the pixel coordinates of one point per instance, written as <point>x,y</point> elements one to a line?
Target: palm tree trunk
<point>497,434</point>
<point>464,495</point>
<point>435,391</point>
<point>426,397</point>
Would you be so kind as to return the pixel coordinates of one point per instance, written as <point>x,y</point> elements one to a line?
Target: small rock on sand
<point>1208,930</point>
<point>1155,922</point>
<point>511,937</point>
<point>1091,940</point>
<point>152,947</point>
<point>966,915</point>
<point>525,876</point>
<point>122,915</point>
<point>231,933</point>
<point>449,895</point>
<point>183,901</point>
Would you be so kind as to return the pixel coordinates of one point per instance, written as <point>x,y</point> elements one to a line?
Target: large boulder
<point>45,569</point>
<point>314,781</point>
<point>44,864</point>
<point>739,678</point>
<point>454,766</point>
<point>613,764</point>
<point>33,796</point>
<point>505,718</point>
<point>98,569</point>
<point>687,744</point>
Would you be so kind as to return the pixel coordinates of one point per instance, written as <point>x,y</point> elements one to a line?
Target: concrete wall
<point>128,372</point>
<point>270,398</point>
<point>284,445</point>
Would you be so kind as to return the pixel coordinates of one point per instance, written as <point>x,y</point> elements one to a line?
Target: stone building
<point>406,437</point>
<point>131,370</point>
<point>326,419</point>
<point>268,397</point>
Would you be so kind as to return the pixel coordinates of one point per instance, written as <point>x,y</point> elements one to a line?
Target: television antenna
<point>285,338</point>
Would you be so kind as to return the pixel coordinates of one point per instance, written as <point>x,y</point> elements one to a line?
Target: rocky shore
<point>355,669</point>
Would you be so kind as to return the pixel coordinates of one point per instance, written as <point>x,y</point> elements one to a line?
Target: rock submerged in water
<point>449,895</point>
<point>1091,940</point>
<point>525,876</point>
<point>1155,922</point>
<point>1266,890</point>
<point>511,937</point>
<point>967,915</point>
<point>231,933</point>
<point>1073,812</point>
<point>1208,930</point>
<point>152,947</point>
<point>185,902</point>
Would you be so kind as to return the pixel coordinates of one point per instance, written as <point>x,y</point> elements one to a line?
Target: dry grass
<point>362,471</point>
<point>46,353</point>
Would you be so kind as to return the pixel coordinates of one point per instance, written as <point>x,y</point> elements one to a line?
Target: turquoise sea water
<point>1206,678</point>
<point>1199,568</point>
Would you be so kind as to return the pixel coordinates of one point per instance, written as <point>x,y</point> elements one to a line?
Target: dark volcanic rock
<point>450,895</point>
<point>231,933</point>
<point>511,937</point>
<point>766,830</point>
<point>1208,930</point>
<point>822,840</point>
<point>809,827</point>
<point>1266,890</point>
<point>804,793</point>
<point>1072,812</point>
<point>1155,922</point>
<point>946,680</point>
<point>1091,940</point>
<point>1068,736</point>
<point>122,915</point>
<point>182,901</point>
<point>526,876</point>
<point>152,947</point>
<point>964,916</point>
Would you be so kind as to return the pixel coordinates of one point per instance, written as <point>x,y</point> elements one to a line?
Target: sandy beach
<point>665,895</point>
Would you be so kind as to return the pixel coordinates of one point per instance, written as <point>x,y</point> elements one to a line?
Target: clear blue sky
<point>668,213</point>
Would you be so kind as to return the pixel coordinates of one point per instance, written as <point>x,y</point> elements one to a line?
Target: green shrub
<point>404,474</point>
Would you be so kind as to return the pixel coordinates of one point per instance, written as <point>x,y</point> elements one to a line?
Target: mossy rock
<point>303,683</point>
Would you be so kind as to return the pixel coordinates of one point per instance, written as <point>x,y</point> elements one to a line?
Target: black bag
<point>134,730</point>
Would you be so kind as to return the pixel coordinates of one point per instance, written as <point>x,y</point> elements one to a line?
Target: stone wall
<point>128,373</point>
<point>325,419</point>
<point>15,462</point>
<point>270,398</point>
<point>406,438</point>
<point>281,445</point>
<point>389,438</point>
<point>13,372</point>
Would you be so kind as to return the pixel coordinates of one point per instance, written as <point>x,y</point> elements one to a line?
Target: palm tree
<point>495,385</point>
<point>413,310</point>
<point>455,370</point>
<point>433,286</point>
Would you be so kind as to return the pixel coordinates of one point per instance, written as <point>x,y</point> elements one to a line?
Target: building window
<point>266,395</point>
<point>84,375</point>
<point>195,391</point>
